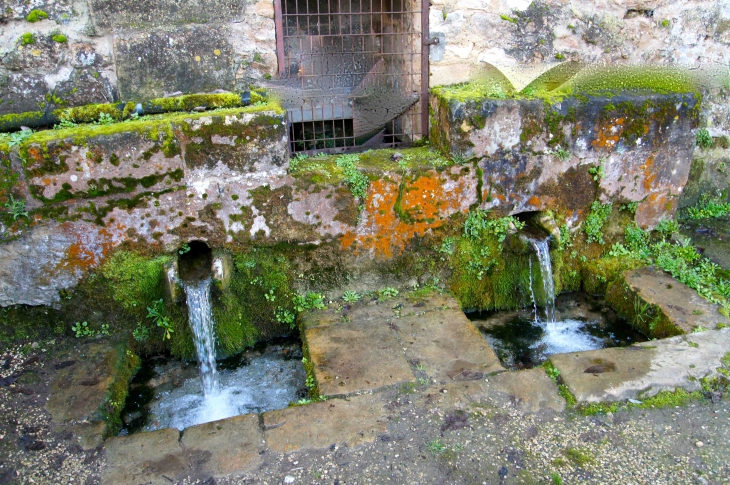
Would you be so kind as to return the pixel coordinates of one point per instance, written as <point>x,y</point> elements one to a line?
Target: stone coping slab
<point>643,370</point>
<point>150,458</point>
<point>363,353</point>
<point>445,343</point>
<point>225,446</point>
<point>350,422</point>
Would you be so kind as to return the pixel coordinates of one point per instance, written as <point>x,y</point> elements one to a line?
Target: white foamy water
<point>268,382</point>
<point>566,336</point>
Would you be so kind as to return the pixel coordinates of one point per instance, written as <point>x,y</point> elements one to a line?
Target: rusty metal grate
<point>351,73</point>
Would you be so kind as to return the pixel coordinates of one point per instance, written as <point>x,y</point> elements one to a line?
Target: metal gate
<point>353,74</point>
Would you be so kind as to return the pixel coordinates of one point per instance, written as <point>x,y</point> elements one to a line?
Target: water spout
<point>542,251</point>
<point>201,322</point>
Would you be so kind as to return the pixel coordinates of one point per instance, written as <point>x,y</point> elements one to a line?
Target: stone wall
<point>98,51</point>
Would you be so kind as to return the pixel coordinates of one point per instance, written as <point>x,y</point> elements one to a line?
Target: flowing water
<point>200,316</point>
<point>526,338</point>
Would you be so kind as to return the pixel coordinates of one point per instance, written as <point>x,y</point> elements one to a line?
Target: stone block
<point>153,458</point>
<point>224,447</point>
<point>128,14</point>
<point>643,370</point>
<point>349,422</point>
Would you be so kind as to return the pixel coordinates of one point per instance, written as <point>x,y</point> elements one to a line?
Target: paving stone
<point>150,458</point>
<point>358,355</point>
<point>643,370</point>
<point>226,446</point>
<point>438,336</point>
<point>356,420</point>
<point>528,390</point>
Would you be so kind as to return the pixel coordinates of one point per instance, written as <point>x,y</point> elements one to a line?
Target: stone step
<point>643,370</point>
<point>660,306</point>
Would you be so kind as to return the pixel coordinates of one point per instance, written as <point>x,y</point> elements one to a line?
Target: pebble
<point>699,444</point>
<point>288,479</point>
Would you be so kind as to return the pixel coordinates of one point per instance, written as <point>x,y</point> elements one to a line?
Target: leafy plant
<point>459,158</point>
<point>351,296</point>
<point>15,207</point>
<point>478,224</point>
<point>156,313</point>
<point>105,119</point>
<point>82,330</point>
<point>356,180</point>
<point>285,316</point>
<point>64,123</point>
<point>704,139</point>
<point>387,293</point>
<point>562,153</point>
<point>19,136</point>
<point>629,206</point>
<point>597,172</point>
<point>435,447</point>
<point>141,333</point>
<point>595,221</point>
<point>447,246</point>
<point>184,249</point>
<point>308,302</point>
<point>709,206</point>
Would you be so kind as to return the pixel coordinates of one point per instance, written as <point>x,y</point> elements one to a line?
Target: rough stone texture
<point>352,422</point>
<point>644,144</point>
<point>79,390</point>
<point>712,236</point>
<point>670,302</point>
<point>226,446</point>
<point>708,175</point>
<point>348,356</point>
<point>152,458</point>
<point>438,336</point>
<point>526,390</point>
<point>643,370</point>
<point>114,14</point>
<point>34,268</point>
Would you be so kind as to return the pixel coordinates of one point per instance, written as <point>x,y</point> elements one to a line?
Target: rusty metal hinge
<point>431,41</point>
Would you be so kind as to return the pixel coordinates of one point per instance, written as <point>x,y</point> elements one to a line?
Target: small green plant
<point>598,172</point>
<point>559,56</point>
<point>64,123</point>
<point>508,18</point>
<point>36,15</point>
<point>141,333</point>
<point>285,316</point>
<point>552,371</point>
<point>19,136</point>
<point>459,158</point>
<point>308,302</point>
<point>435,447</point>
<point>387,293</point>
<point>629,206</point>
<point>351,296</point>
<point>578,456</point>
<point>59,38</point>
<point>447,247</point>
<point>642,311</point>
<point>566,238</point>
<point>15,207</point>
<point>184,249</point>
<point>82,330</point>
<point>666,23</point>
<point>27,38</point>
<point>562,153</point>
<point>595,221</point>
<point>105,119</point>
<point>355,179</point>
<point>667,227</point>
<point>157,313</point>
<point>704,139</point>
<point>699,328</point>
<point>709,206</point>
<point>556,479</point>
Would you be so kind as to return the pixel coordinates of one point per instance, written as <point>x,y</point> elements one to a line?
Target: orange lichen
<point>607,135</point>
<point>87,251</point>
<point>425,203</point>
<point>649,173</point>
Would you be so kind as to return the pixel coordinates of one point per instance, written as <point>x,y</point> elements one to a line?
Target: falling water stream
<point>200,316</point>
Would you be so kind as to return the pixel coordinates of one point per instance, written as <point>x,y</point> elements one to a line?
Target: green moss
<point>27,38</point>
<point>597,274</point>
<point>36,15</point>
<point>59,38</point>
<point>136,281</point>
<point>630,78</point>
<point>127,365</point>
